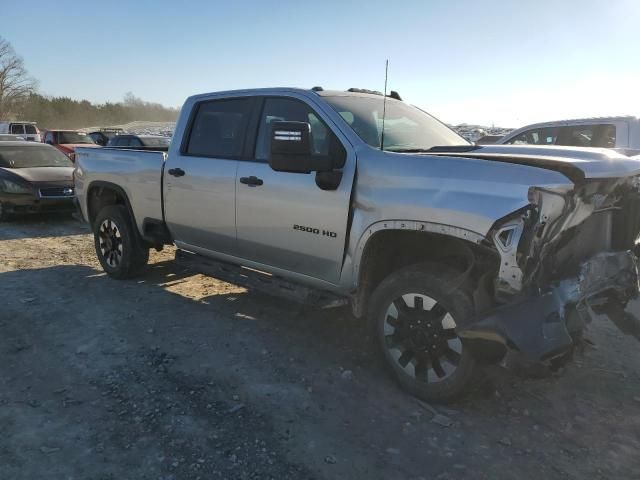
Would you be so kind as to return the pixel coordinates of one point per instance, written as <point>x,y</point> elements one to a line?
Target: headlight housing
<point>8,186</point>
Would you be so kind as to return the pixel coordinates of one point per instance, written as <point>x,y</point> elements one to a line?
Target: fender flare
<point>408,225</point>
<point>112,186</point>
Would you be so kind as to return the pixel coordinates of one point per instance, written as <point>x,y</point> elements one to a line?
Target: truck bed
<point>137,172</point>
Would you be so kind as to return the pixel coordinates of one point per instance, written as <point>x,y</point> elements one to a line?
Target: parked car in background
<point>619,133</point>
<point>10,138</point>
<point>141,142</point>
<point>103,135</point>
<point>456,253</point>
<point>67,140</point>
<point>27,130</point>
<point>34,178</point>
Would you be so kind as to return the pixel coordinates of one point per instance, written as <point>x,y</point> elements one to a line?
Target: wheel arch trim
<point>407,225</point>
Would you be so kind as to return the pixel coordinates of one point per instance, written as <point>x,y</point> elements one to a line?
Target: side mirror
<point>291,149</point>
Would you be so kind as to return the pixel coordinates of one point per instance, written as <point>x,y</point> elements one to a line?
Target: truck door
<point>284,220</point>
<point>200,176</point>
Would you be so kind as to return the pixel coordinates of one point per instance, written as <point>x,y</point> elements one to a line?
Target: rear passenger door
<point>200,177</point>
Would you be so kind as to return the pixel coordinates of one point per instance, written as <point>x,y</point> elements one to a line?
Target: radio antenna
<point>384,103</point>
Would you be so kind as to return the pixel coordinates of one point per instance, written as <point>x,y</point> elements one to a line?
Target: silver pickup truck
<point>456,254</point>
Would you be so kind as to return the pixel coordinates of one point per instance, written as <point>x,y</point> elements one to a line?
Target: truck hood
<point>43,174</point>
<point>576,163</point>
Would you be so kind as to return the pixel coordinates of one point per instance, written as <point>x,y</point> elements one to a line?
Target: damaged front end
<point>565,259</point>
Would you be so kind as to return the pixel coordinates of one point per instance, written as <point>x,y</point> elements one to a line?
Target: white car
<point>619,133</point>
<point>27,130</point>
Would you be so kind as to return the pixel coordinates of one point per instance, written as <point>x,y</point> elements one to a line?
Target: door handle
<point>176,172</point>
<point>251,181</point>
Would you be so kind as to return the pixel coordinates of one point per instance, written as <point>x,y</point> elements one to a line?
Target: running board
<point>256,280</point>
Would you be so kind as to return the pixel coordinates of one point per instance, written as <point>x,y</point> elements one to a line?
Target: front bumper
<point>26,204</point>
<point>543,327</point>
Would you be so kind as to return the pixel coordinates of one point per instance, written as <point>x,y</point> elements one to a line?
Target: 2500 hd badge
<point>315,231</point>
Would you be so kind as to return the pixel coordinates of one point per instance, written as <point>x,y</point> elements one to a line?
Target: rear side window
<point>17,129</point>
<point>597,135</point>
<point>218,129</point>
<point>30,129</point>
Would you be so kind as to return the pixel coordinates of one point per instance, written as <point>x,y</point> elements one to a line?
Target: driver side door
<point>284,220</point>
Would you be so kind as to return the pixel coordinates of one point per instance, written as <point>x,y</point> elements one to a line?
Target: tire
<point>118,246</point>
<point>418,341</point>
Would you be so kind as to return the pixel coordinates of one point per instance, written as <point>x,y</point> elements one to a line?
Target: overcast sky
<point>507,63</point>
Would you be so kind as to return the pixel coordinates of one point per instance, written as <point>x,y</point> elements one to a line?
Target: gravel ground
<point>179,376</point>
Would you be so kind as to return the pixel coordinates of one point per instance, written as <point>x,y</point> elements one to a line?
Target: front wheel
<point>415,313</point>
<point>118,245</point>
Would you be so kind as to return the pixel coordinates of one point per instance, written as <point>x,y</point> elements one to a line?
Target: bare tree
<point>15,82</point>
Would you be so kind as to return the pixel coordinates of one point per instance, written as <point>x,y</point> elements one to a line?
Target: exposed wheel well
<point>100,196</point>
<point>390,250</point>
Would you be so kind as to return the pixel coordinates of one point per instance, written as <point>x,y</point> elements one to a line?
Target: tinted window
<point>74,137</point>
<point>31,129</point>
<point>155,141</point>
<point>17,129</point>
<point>25,157</point>
<point>135,142</point>
<point>600,135</point>
<point>218,129</point>
<point>285,109</point>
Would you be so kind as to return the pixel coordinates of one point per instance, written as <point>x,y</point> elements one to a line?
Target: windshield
<point>406,128</point>
<point>74,137</point>
<point>32,156</point>
<point>155,141</point>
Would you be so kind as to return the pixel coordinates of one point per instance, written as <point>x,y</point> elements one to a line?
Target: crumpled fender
<point>538,326</point>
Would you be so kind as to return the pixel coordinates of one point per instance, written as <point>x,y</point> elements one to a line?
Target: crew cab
<point>68,140</point>
<point>619,133</point>
<point>456,254</point>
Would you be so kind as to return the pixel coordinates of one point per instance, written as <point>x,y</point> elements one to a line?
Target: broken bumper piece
<point>541,327</point>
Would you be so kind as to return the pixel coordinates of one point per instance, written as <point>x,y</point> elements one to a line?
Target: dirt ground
<point>179,376</point>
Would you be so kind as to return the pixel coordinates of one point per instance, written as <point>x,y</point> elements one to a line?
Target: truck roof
<point>581,120</point>
<point>354,92</point>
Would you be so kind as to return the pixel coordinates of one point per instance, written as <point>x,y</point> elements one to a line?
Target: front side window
<point>30,129</point>
<point>406,128</point>
<point>218,129</point>
<point>537,136</point>
<point>290,110</point>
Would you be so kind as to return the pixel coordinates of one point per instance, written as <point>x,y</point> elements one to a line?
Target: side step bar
<point>257,280</point>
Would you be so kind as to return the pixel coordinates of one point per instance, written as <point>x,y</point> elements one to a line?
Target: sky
<point>507,63</point>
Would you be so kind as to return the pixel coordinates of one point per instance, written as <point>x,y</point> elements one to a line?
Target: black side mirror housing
<point>291,149</point>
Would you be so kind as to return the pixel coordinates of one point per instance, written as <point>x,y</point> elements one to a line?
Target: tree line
<point>64,112</point>
<point>20,100</point>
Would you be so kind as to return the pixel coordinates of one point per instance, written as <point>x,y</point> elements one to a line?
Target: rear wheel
<point>118,245</point>
<point>415,316</point>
